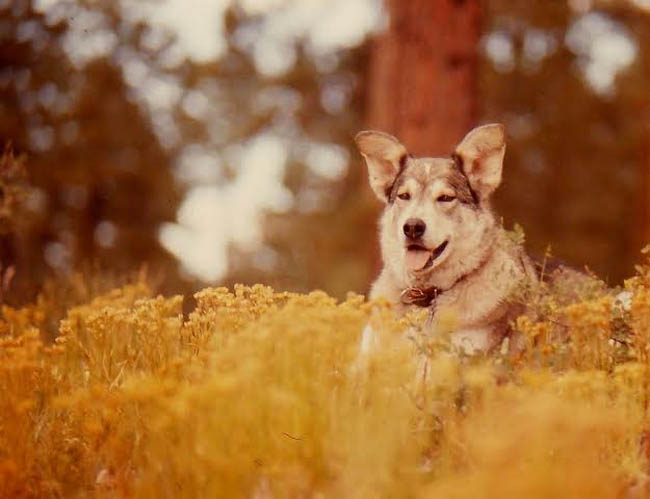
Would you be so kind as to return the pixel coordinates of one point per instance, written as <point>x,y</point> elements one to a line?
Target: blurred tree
<point>91,155</point>
<point>569,80</point>
<point>326,240</point>
<point>423,74</point>
<point>104,171</point>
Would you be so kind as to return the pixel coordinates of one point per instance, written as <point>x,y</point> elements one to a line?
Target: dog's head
<point>437,209</point>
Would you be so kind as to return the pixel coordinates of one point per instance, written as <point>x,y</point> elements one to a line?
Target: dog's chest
<point>472,304</point>
<point>477,307</point>
<point>473,320</point>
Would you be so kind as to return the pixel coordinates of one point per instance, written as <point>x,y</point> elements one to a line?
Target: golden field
<point>261,394</point>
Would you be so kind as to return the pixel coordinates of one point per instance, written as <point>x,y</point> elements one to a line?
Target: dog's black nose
<point>414,228</point>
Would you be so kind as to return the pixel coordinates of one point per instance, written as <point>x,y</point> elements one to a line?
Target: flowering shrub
<point>262,394</point>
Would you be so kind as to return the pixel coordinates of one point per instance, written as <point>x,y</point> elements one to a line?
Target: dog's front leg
<point>472,340</point>
<point>369,340</point>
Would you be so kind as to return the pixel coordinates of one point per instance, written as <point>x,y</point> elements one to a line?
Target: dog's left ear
<point>384,155</point>
<point>481,155</point>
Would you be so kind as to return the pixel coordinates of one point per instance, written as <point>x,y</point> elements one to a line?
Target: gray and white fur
<point>439,236</point>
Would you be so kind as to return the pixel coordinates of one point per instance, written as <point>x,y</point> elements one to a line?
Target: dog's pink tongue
<point>416,258</point>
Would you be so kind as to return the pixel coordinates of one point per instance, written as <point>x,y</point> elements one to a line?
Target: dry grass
<point>260,394</point>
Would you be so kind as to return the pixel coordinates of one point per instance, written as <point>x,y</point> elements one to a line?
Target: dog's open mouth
<point>420,258</point>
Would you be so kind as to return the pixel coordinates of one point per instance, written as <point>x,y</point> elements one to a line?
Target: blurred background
<point>212,139</point>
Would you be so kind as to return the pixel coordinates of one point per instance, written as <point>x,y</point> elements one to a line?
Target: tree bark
<point>423,74</point>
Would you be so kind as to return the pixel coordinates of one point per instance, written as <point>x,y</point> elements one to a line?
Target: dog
<point>441,244</point>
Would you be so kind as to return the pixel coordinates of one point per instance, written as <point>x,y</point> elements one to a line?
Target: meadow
<point>262,394</point>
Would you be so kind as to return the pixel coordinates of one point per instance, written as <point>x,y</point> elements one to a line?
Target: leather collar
<point>418,296</point>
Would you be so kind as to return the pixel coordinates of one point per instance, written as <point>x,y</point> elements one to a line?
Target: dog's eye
<point>404,196</point>
<point>445,198</point>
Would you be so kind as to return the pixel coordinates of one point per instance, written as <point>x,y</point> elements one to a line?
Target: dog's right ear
<point>385,157</point>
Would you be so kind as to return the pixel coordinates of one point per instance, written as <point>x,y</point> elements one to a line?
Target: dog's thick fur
<point>439,235</point>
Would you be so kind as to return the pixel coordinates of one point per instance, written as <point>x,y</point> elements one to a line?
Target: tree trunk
<point>423,74</point>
